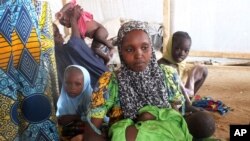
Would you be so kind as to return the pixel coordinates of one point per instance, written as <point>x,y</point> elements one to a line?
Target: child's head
<point>58,39</point>
<point>73,81</point>
<point>181,43</point>
<point>201,124</point>
<point>64,15</point>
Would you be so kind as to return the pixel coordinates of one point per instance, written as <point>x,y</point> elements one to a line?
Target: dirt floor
<point>231,85</point>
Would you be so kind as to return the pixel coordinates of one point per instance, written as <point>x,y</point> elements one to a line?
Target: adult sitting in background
<point>77,52</point>
<point>138,96</point>
<point>177,51</point>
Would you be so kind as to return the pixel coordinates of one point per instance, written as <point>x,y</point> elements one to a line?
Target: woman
<point>138,97</point>
<point>74,101</point>
<point>76,51</point>
<point>88,27</point>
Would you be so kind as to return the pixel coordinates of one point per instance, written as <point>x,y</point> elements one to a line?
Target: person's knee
<point>205,71</point>
<point>200,72</point>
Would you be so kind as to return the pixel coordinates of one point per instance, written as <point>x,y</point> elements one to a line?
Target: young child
<point>88,28</point>
<point>201,125</point>
<point>74,100</point>
<point>177,51</point>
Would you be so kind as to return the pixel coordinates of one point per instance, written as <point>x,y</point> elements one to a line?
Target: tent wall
<point>217,28</point>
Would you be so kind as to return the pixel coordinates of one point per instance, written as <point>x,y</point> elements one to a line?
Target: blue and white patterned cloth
<point>27,72</point>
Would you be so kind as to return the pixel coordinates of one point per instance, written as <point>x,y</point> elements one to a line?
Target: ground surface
<point>231,85</point>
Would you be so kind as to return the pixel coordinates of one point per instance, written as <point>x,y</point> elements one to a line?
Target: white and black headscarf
<point>138,89</point>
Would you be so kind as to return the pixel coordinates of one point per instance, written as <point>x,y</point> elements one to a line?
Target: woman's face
<point>73,83</point>
<point>136,50</point>
<point>57,36</point>
<point>181,49</point>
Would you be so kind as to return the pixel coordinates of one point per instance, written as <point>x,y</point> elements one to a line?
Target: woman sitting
<point>137,97</point>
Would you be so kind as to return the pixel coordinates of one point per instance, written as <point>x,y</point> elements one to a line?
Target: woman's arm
<point>91,130</point>
<point>74,20</point>
<point>99,106</point>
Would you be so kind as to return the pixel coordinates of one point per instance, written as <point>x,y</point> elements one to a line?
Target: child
<point>74,100</point>
<point>201,124</point>
<point>177,51</point>
<point>88,28</point>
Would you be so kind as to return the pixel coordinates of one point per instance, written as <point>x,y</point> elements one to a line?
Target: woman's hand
<point>76,13</point>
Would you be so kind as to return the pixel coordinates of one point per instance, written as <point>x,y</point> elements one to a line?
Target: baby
<point>88,27</point>
<point>201,124</point>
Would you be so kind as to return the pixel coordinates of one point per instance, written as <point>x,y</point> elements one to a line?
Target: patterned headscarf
<point>138,89</point>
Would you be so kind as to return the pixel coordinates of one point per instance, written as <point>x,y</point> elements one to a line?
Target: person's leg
<point>96,47</point>
<point>196,78</point>
<point>101,35</point>
<point>131,133</point>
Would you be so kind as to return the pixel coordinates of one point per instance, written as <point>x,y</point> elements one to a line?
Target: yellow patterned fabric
<point>28,79</point>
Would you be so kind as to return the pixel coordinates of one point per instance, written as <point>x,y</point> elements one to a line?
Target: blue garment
<point>28,83</point>
<point>78,105</point>
<point>77,52</point>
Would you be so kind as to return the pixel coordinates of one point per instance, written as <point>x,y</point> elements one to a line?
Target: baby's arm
<point>144,116</point>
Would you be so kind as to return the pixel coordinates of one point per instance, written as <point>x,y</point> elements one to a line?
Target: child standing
<point>177,51</point>
<point>74,100</point>
<point>88,27</point>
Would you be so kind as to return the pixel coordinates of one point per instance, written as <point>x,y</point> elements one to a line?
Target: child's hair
<point>72,69</point>
<point>201,124</point>
<point>179,36</point>
<point>64,10</point>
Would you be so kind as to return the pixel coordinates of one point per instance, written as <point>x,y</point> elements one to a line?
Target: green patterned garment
<point>170,123</point>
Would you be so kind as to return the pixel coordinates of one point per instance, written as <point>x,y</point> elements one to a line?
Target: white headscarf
<point>78,105</point>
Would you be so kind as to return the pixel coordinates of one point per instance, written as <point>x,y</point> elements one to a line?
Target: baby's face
<point>65,20</point>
